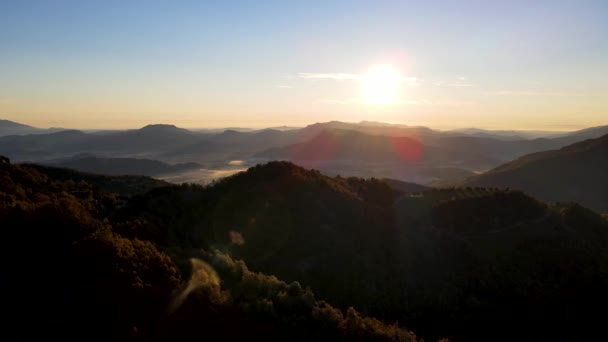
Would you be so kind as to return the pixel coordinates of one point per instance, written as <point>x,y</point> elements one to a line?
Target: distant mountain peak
<point>163,128</point>
<point>159,126</point>
<point>13,124</point>
<point>230,132</point>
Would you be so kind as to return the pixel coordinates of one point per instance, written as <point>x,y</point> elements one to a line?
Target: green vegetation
<point>192,261</point>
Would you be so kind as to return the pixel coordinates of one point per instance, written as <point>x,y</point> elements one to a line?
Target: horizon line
<point>550,128</point>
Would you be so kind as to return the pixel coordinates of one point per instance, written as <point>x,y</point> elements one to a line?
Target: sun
<point>382,85</point>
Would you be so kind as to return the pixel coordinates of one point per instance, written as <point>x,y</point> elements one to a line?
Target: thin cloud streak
<point>535,93</point>
<point>329,76</point>
<point>411,81</point>
<point>357,101</point>
<point>408,80</point>
<point>453,84</point>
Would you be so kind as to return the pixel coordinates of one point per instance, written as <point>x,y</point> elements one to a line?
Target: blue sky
<point>110,64</point>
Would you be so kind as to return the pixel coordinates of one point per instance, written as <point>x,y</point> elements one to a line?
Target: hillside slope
<point>573,173</point>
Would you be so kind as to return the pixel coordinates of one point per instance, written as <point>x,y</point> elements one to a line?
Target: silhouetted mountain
<point>420,133</point>
<point>122,166</point>
<point>40,146</point>
<point>434,159</point>
<point>382,143</point>
<point>348,145</point>
<point>13,128</point>
<point>232,144</point>
<point>572,173</point>
<point>150,140</point>
<point>583,134</point>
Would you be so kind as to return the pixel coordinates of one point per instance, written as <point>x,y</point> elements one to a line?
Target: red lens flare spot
<point>408,149</point>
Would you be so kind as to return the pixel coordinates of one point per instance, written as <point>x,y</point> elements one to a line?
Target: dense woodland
<point>290,254</point>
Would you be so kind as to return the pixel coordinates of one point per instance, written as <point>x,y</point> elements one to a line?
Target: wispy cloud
<point>459,84</point>
<point>336,76</point>
<point>329,76</point>
<point>342,102</point>
<point>357,101</point>
<point>533,93</point>
<point>411,81</point>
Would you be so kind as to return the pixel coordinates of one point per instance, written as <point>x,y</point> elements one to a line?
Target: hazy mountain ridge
<point>370,149</point>
<point>573,173</point>
<point>8,127</point>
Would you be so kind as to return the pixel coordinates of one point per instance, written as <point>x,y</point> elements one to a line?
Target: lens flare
<point>382,85</point>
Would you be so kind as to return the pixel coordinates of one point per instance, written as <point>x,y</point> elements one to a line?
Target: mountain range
<point>407,153</point>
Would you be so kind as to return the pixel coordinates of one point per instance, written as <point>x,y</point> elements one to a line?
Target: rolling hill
<point>125,185</point>
<point>122,166</point>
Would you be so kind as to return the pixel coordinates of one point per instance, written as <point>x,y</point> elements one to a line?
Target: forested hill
<point>127,185</point>
<point>573,173</point>
<point>73,270</point>
<point>123,166</point>
<point>472,264</point>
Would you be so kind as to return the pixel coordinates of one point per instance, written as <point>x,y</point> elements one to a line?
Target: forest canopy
<point>288,253</point>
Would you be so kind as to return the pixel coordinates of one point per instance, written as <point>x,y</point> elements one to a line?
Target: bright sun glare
<point>381,85</point>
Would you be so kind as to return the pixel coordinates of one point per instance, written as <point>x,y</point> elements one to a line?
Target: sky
<point>125,64</point>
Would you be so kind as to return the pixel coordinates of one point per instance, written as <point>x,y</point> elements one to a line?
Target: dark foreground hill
<point>573,173</point>
<point>71,269</point>
<point>468,264</point>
